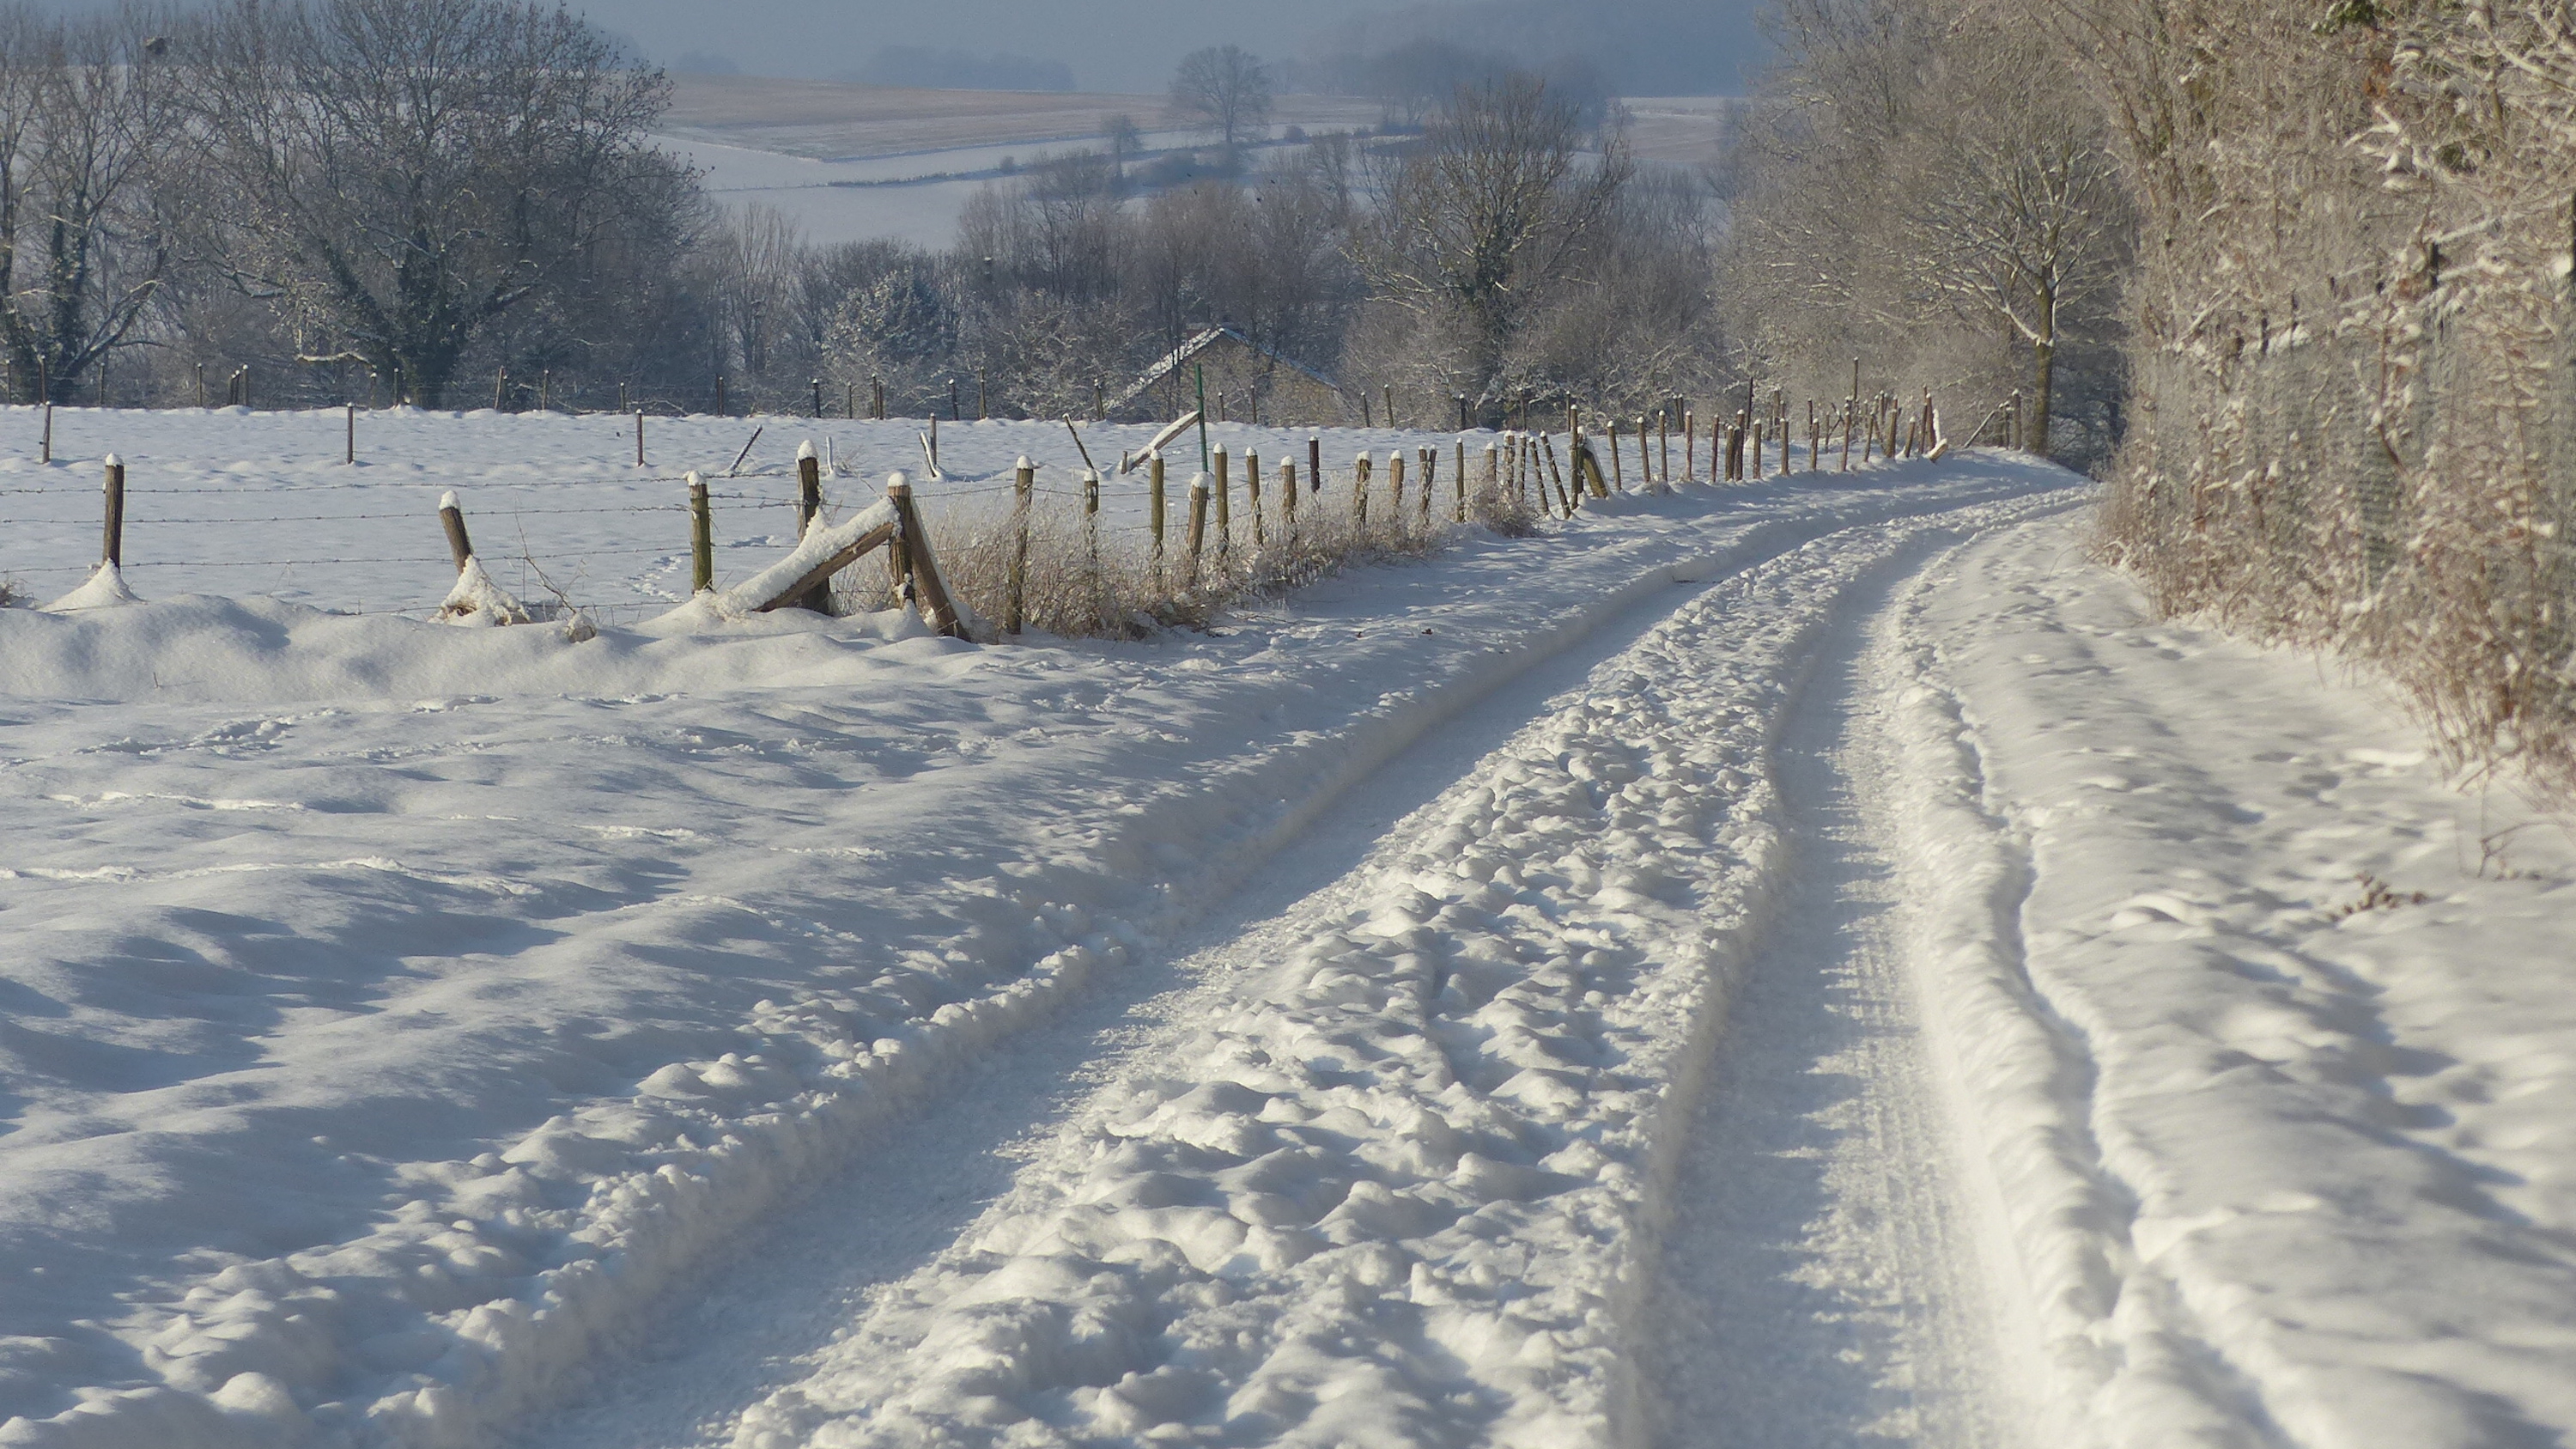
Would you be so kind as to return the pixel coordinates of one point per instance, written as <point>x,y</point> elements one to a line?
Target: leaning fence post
<point>452,518</point>
<point>1618,476</point>
<point>921,570</point>
<point>112,541</point>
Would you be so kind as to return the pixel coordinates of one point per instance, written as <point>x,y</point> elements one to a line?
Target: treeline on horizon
<point>458,203</point>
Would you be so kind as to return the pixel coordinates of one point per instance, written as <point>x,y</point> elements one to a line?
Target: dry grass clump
<point>1083,580</point>
<point>11,594</point>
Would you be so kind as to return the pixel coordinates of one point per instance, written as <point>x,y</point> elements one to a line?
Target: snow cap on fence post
<point>702,536</point>
<point>805,450</point>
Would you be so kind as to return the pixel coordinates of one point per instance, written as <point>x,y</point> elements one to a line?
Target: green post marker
<point>1199,370</point>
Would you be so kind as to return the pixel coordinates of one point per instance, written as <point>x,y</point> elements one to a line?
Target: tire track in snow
<point>785,1294</point>
<point>1388,1159</point>
<point>1819,1281</point>
<point>2107,1339</point>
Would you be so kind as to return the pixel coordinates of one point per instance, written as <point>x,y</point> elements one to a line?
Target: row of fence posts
<point>1522,465</point>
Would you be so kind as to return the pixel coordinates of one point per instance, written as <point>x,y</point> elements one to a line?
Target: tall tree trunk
<point>2043,387</point>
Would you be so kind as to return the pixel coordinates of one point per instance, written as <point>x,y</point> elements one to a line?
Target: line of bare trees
<point>445,202</point>
<point>1929,188</point>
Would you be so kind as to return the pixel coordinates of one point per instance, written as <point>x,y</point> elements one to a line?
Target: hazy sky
<point>1649,46</point>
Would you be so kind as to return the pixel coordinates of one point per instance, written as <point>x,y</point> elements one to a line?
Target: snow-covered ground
<point>1792,964</point>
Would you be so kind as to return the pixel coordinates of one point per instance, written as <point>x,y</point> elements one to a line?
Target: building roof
<point>1202,342</point>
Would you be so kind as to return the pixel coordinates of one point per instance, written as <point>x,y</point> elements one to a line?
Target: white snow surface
<point>801,1031</point>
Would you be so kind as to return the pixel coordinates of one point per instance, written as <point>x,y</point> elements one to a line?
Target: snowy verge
<point>2262,1025</point>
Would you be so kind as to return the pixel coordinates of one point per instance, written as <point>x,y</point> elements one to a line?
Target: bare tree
<point>1225,88</point>
<point>1496,209</point>
<point>398,174</point>
<point>2030,224</point>
<point>84,119</point>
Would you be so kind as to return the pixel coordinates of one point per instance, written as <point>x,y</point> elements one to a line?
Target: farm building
<point>1245,381</point>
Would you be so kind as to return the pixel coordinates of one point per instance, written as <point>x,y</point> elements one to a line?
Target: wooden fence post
<point>1224,494</point>
<point>1252,492</point>
<point>1154,510</point>
<point>1395,489</point>
<point>1429,458</point>
<point>201,384</point>
<point>1288,502</point>
<point>721,410</point>
<point>639,437</point>
<point>929,592</point>
<point>809,512</point>
<point>1462,475</point>
<point>1314,463</point>
<point>1493,478</point>
<point>1091,544</point>
<point>1198,523</point>
<point>112,540</point>
<point>702,536</point>
<point>1616,476</point>
<point>500,380</point>
<point>1359,491</point>
<point>349,456</point>
<point>1024,480</point>
<point>452,518</point>
<point>45,452</point>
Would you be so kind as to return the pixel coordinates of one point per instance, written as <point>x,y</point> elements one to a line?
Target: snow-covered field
<point>1800,963</point>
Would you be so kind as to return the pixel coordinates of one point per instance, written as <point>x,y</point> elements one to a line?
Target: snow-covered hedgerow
<point>2354,420</point>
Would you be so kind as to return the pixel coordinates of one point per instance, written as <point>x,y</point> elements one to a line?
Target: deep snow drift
<point>906,1042</point>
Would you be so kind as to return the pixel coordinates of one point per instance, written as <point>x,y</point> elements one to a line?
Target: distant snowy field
<point>1316,1030</point>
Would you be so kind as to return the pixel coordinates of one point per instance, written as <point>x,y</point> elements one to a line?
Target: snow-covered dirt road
<point>1800,965</point>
